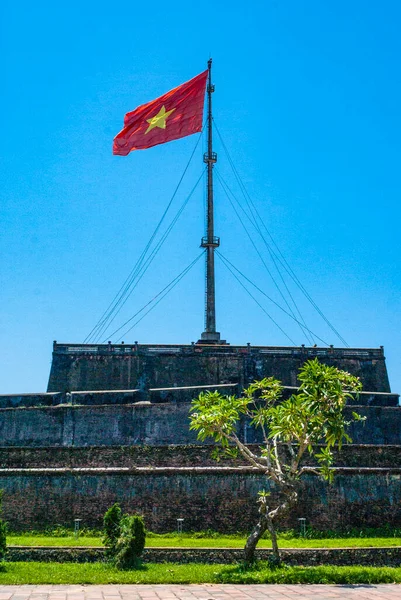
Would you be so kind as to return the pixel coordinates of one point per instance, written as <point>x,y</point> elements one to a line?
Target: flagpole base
<point>208,337</point>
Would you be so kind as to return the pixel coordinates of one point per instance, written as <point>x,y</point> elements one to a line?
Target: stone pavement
<point>200,592</point>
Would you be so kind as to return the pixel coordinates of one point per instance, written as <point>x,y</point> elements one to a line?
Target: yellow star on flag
<point>159,120</point>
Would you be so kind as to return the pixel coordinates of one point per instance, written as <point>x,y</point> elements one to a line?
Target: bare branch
<point>291,449</point>
<point>313,470</point>
<point>252,458</point>
<point>295,462</point>
<point>284,506</point>
<point>268,455</point>
<point>276,456</point>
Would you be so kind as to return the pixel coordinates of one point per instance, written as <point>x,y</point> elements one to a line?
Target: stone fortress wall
<point>72,452</point>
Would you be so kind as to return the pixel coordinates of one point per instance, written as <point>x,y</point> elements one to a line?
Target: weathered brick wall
<point>148,424</point>
<point>354,455</point>
<point>219,500</point>
<point>121,367</point>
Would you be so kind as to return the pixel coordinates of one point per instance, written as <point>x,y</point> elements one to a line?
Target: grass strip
<point>98,573</point>
<point>204,542</point>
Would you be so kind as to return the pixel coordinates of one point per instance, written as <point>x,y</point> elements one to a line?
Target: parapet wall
<point>143,367</point>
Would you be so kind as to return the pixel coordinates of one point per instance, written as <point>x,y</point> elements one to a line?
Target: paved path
<point>200,592</point>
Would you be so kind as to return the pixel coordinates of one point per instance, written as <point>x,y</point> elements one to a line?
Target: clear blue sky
<point>308,98</point>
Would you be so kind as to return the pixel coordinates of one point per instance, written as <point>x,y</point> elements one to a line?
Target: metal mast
<point>210,241</point>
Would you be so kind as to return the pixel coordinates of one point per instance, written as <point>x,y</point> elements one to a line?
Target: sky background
<point>307,101</point>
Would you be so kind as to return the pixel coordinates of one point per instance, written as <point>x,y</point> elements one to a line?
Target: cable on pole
<point>267,296</point>
<point>166,290</point>
<point>228,191</point>
<point>255,300</point>
<point>131,277</point>
<point>145,266</point>
<point>257,219</point>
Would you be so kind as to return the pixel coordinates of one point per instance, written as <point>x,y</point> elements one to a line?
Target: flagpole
<point>210,242</point>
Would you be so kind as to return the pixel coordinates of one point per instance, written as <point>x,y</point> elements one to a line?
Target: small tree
<point>313,416</point>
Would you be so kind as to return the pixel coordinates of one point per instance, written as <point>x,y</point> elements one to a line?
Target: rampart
<point>62,462</point>
<point>142,367</point>
<point>114,426</point>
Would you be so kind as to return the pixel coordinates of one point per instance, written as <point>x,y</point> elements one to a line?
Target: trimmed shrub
<point>3,531</point>
<point>131,542</point>
<point>112,528</point>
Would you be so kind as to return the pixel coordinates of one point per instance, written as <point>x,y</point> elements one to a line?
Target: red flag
<point>174,115</point>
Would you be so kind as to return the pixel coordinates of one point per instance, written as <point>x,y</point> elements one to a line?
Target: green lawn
<point>47,540</point>
<point>205,542</point>
<point>98,573</point>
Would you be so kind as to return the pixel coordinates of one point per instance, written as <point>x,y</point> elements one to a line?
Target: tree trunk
<point>253,539</point>
<point>273,535</point>
<point>265,522</point>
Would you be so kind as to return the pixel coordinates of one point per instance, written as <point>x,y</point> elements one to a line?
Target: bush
<point>112,528</point>
<point>124,537</point>
<point>3,531</point>
<point>131,542</point>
